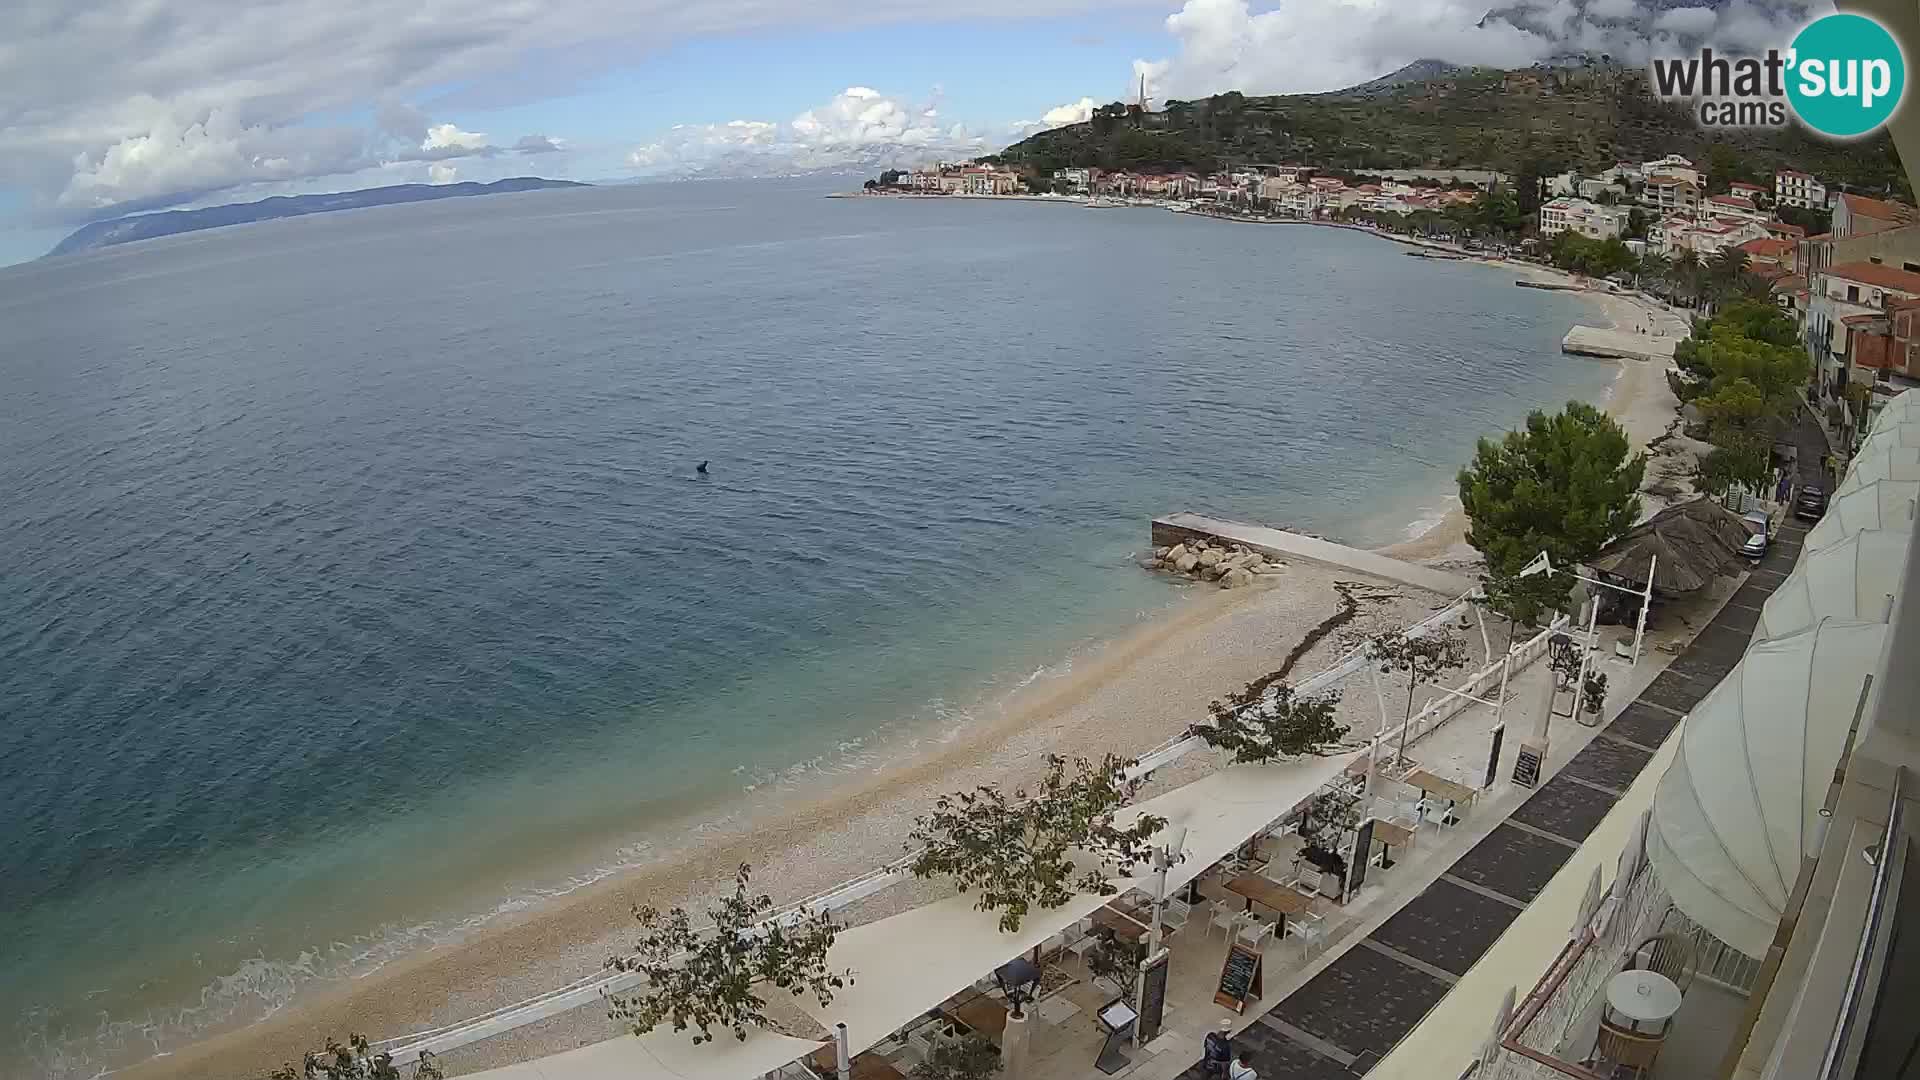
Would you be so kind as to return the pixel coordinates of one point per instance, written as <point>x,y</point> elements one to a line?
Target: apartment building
<point>1793,188</point>
<point>1567,214</point>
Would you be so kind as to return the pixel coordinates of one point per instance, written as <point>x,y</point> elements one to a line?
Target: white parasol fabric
<point>1854,580</point>
<point>1899,409</point>
<point>906,965</point>
<point>1881,504</point>
<point>1739,805</point>
<point>1897,434</point>
<point>1883,462</point>
<point>663,1054</point>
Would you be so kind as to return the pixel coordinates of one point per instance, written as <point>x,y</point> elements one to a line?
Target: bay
<point>359,584</point>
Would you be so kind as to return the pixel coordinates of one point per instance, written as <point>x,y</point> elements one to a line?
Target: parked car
<point>1756,545</point>
<point>1812,503</point>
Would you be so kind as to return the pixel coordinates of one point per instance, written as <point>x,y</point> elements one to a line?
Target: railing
<point>1863,959</point>
<point>1537,1044</point>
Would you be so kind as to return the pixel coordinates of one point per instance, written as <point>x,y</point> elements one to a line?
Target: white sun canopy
<point>663,1054</point>
<point>1902,433</point>
<point>1739,806</point>
<point>1881,504</point>
<point>951,944</point>
<point>1853,580</point>
<point>1898,410</point>
<point>1884,461</point>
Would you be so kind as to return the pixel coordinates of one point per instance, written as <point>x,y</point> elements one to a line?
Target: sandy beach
<point>1125,696</point>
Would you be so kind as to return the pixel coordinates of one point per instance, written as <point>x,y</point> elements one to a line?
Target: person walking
<point>1243,1068</point>
<point>1217,1051</point>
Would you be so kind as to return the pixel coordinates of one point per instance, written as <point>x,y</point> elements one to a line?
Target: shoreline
<point>1127,693</point>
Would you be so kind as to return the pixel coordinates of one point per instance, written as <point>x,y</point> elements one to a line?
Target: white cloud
<point>1686,20</point>
<point>441,137</point>
<point>1612,9</point>
<point>859,128</point>
<point>1313,45</point>
<point>539,144</point>
<point>1073,112</point>
<point>442,173</point>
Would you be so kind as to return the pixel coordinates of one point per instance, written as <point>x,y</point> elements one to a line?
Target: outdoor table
<point>984,1015</point>
<point>1124,926</point>
<point>1429,784</point>
<point>1637,998</point>
<point>1390,836</point>
<point>865,1066</point>
<point>1271,894</point>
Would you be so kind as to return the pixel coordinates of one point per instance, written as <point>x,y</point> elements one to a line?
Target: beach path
<point>1280,543</point>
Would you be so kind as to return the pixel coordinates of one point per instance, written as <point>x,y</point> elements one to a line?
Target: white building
<point>1302,202</point>
<point>1800,189</point>
<point>1732,206</point>
<point>1578,215</point>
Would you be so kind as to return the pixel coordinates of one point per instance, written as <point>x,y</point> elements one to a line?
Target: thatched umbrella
<point>1693,541</point>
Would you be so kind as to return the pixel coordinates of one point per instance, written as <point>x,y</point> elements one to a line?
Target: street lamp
<point>1019,980</point>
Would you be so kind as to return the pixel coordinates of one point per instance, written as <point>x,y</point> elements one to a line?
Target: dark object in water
<point>701,468</point>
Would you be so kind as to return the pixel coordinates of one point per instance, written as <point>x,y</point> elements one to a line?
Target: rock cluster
<point>1211,560</point>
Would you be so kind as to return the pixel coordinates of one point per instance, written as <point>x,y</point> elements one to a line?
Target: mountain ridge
<point>127,230</point>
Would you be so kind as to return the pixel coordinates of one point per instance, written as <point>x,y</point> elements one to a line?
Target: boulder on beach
<point>1175,553</point>
<point>1236,577</point>
<point>1187,561</point>
<point>1160,552</point>
<point>1255,565</point>
<point>1210,557</point>
<point>1149,564</point>
<point>1213,573</point>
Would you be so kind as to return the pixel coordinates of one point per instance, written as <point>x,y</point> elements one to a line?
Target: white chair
<point>1085,943</point>
<point>1223,918</point>
<point>1176,912</point>
<point>1307,929</point>
<point>1436,811</point>
<point>1254,932</point>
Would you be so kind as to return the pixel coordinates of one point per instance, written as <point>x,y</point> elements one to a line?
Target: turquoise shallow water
<point>308,529</point>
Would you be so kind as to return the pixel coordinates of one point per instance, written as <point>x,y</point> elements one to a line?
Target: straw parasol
<point>1694,542</point>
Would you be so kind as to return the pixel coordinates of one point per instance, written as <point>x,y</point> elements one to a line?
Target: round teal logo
<point>1846,76</point>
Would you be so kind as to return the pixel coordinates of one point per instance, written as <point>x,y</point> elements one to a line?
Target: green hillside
<point>1550,119</point>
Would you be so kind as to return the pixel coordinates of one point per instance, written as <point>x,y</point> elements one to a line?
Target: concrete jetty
<point>1281,544</point>
<point>1617,344</point>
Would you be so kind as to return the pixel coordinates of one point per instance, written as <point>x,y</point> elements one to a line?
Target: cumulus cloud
<point>442,173</point>
<point>445,137</point>
<point>1686,20</point>
<point>104,103</point>
<point>859,128</point>
<point>1305,46</point>
<point>1073,112</point>
<point>539,144</point>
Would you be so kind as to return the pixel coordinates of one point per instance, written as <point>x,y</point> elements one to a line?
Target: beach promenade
<point>1281,544</point>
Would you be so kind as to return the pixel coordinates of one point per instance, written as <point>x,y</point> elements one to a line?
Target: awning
<point>663,1054</point>
<point>909,963</point>
<point>1897,410</point>
<point>1853,580</point>
<point>1884,461</point>
<point>1739,806</point>
<point>1881,504</point>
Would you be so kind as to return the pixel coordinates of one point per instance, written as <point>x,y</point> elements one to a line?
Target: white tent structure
<point>1898,410</point>
<point>1853,580</point>
<point>953,945</point>
<point>663,1054</point>
<point>1739,806</point>
<point>1884,461</point>
<point>1881,504</point>
<point>1905,433</point>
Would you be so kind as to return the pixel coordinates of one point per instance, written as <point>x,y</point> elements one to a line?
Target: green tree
<point>971,1058</point>
<point>1421,659</point>
<point>1636,224</point>
<point>713,978</point>
<point>1016,852</point>
<point>1566,484</point>
<point>1116,962</point>
<point>1266,721</point>
<point>354,1060</point>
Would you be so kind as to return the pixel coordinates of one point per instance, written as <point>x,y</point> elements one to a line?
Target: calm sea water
<point>355,577</point>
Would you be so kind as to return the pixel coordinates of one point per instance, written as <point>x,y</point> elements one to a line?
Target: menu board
<point>1526,770</point>
<point>1493,755</point>
<point>1239,978</point>
<point>1153,997</point>
<point>1362,855</point>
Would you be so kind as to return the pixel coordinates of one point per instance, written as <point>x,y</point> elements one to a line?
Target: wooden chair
<point>1668,954</point>
<point>1627,1053</point>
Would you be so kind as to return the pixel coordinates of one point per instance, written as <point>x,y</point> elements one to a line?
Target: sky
<point>111,107</point>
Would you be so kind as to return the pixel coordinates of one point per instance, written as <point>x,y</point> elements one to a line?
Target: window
<point>1853,294</point>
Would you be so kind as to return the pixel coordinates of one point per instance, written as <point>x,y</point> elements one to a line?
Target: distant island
<point>147,226</point>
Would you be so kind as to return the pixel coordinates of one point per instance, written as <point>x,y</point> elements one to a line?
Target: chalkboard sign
<point>1526,770</point>
<point>1153,998</point>
<point>1239,978</point>
<point>1362,855</point>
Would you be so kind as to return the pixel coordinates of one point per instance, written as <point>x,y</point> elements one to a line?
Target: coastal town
<point>1844,265</point>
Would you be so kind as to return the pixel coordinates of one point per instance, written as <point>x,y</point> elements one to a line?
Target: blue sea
<point>356,576</point>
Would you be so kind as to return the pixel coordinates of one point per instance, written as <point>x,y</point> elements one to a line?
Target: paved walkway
<point>1626,344</point>
<point>1346,1018</point>
<point>1281,544</point>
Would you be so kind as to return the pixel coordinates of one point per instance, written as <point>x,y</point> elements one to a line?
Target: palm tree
<point>1652,267</point>
<point>1685,275</point>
